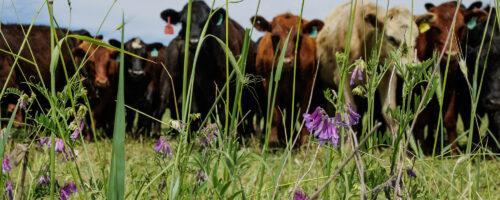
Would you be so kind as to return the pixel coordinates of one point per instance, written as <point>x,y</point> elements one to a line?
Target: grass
<point>436,179</point>
<point>129,168</point>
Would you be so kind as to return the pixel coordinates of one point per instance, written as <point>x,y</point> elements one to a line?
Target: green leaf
<point>103,44</point>
<point>116,186</point>
<point>279,67</point>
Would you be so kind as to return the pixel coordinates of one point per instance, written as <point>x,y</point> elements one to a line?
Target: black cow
<point>137,79</point>
<point>211,65</point>
<point>172,75</point>
<point>487,57</point>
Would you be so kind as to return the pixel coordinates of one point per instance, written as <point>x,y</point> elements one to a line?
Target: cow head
<point>279,29</point>
<point>199,16</point>
<point>399,31</point>
<point>439,20</point>
<point>133,65</point>
<point>99,63</point>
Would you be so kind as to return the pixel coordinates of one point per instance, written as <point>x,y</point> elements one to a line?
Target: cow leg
<point>493,126</point>
<point>450,120</point>
<point>275,127</point>
<point>304,103</point>
<point>129,119</point>
<point>387,91</point>
<point>348,96</point>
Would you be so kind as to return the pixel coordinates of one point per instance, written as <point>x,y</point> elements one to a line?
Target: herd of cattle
<point>150,87</point>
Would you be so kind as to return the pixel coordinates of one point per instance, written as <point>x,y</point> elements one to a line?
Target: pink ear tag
<point>169,29</point>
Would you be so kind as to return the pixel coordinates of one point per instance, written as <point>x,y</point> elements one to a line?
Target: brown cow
<point>440,19</point>
<point>277,31</point>
<point>39,44</point>
<point>101,72</point>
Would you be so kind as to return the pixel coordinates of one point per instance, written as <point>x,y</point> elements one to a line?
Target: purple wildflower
<point>357,73</point>
<point>339,121</point>
<point>23,101</point>
<point>6,164</point>
<point>327,131</point>
<point>324,128</point>
<point>44,180</point>
<point>300,195</point>
<point>68,155</point>
<point>212,132</point>
<point>43,142</point>
<point>68,189</point>
<point>313,120</point>
<point>410,172</point>
<point>200,176</point>
<point>8,190</point>
<point>77,131</point>
<point>2,133</point>
<point>59,148</point>
<point>163,146</point>
<point>352,115</point>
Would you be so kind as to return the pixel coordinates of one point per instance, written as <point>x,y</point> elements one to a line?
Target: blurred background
<point>143,20</point>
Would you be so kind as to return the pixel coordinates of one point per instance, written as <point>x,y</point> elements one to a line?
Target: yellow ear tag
<point>424,27</point>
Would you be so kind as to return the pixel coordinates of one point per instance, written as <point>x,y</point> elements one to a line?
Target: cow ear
<point>114,54</point>
<point>115,43</point>
<point>424,21</point>
<point>156,45</point>
<point>175,16</point>
<point>372,19</point>
<point>313,27</point>
<point>429,18</point>
<point>474,17</point>
<point>477,4</point>
<point>218,17</point>
<point>261,23</point>
<point>82,32</point>
<point>78,52</point>
<point>429,6</point>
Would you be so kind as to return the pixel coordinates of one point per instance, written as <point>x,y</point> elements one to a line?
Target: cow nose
<point>287,60</point>
<point>495,103</point>
<point>102,83</point>
<point>194,40</point>
<point>453,55</point>
<point>138,72</point>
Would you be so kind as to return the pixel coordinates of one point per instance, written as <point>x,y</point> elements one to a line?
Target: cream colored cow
<point>332,39</point>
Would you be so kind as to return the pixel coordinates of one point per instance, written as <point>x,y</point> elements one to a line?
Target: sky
<point>142,17</point>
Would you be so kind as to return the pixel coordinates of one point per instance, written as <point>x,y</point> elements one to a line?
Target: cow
<point>439,20</point>
<point>101,73</point>
<point>369,22</point>
<point>24,72</point>
<point>486,57</point>
<point>153,92</point>
<point>277,31</point>
<point>171,79</point>
<point>137,80</point>
<point>210,74</point>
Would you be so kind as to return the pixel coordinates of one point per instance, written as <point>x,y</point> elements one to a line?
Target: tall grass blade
<point>116,186</point>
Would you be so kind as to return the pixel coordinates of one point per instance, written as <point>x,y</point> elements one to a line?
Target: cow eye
<point>438,31</point>
<point>393,40</point>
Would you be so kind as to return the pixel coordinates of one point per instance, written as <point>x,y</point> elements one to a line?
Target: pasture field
<point>300,146</point>
<point>450,177</point>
